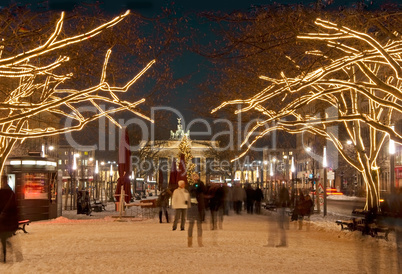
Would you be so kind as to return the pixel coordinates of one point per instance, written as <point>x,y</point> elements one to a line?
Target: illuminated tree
<point>358,91</point>
<point>185,149</point>
<point>38,87</point>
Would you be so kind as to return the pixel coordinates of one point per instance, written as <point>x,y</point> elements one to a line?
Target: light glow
<point>96,167</point>
<point>38,90</point>
<point>362,70</point>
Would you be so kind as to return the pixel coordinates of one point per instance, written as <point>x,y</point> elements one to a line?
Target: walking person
<point>250,199</point>
<point>180,203</point>
<point>201,190</point>
<point>8,215</point>
<point>163,204</point>
<point>307,210</point>
<point>282,219</point>
<point>259,196</point>
<point>194,215</point>
<point>239,195</point>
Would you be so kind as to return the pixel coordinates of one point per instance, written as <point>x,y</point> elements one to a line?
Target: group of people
<point>303,207</point>
<point>190,203</point>
<point>251,198</point>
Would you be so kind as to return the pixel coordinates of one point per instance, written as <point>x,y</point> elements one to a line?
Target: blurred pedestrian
<point>216,204</point>
<point>163,204</point>
<point>180,202</point>
<point>194,215</point>
<point>239,195</point>
<point>8,215</point>
<point>250,199</point>
<point>259,196</point>
<point>306,211</point>
<point>282,220</point>
<point>227,198</point>
<point>201,190</point>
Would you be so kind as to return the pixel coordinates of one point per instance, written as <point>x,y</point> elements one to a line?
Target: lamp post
<point>96,180</point>
<point>72,200</point>
<point>391,150</point>
<point>324,165</point>
<point>313,183</point>
<point>274,174</point>
<point>110,183</point>
<point>293,170</point>
<point>271,173</point>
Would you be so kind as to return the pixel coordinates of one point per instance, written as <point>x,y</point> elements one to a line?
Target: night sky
<point>189,63</point>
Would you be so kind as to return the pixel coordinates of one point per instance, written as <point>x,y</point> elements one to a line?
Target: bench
<point>380,232</point>
<point>22,224</point>
<point>98,206</point>
<point>359,224</point>
<point>351,225</point>
<point>270,206</point>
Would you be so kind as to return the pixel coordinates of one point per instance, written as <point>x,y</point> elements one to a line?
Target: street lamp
<point>293,170</point>
<point>96,172</point>
<point>391,150</point>
<point>75,156</point>
<point>110,183</point>
<point>324,165</point>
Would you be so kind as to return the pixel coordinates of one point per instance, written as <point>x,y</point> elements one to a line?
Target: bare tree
<point>38,87</point>
<point>362,84</point>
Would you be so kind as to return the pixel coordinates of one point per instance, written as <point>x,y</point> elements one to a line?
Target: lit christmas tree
<point>185,149</point>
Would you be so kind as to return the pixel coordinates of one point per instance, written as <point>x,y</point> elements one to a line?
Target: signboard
<point>330,175</point>
<point>320,189</point>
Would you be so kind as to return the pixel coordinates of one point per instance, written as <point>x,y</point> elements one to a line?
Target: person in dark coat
<point>163,204</point>
<point>8,215</point>
<point>250,199</point>
<point>258,198</point>
<point>284,201</point>
<point>216,197</point>
<point>201,190</point>
<point>194,215</point>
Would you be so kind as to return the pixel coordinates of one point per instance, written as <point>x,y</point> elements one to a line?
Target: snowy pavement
<point>100,244</point>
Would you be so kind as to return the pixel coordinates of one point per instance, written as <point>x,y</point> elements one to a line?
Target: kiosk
<point>34,181</point>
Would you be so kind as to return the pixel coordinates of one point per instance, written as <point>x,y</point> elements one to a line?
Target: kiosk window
<point>35,185</point>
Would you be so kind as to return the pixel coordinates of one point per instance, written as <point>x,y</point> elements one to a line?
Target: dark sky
<point>187,63</point>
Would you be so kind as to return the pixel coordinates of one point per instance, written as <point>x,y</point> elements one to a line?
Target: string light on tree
<point>38,90</point>
<point>185,149</point>
<point>361,83</point>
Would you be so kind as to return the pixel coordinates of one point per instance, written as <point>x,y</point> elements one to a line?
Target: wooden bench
<point>22,224</point>
<point>351,225</point>
<point>270,206</point>
<point>359,224</point>
<point>380,231</point>
<point>98,206</point>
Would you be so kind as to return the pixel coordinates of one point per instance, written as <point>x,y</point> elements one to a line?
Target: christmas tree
<point>185,149</point>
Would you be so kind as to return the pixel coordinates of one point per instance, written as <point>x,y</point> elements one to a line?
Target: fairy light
<point>62,102</point>
<point>336,85</point>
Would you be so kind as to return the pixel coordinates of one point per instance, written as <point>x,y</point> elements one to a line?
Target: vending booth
<point>34,181</point>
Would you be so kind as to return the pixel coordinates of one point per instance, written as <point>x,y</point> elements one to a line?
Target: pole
<point>325,191</point>
<point>392,172</point>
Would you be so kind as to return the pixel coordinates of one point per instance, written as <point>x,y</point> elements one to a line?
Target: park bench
<point>375,228</point>
<point>98,206</point>
<point>22,224</point>
<point>270,206</point>
<point>351,224</point>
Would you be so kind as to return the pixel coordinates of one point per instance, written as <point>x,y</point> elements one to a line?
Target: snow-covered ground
<point>100,244</point>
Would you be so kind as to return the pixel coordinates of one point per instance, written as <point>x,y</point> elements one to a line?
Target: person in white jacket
<point>180,203</point>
